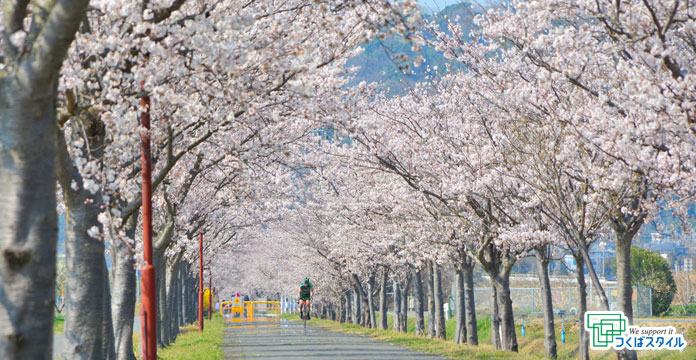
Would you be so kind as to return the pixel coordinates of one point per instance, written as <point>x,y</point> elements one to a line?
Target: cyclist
<point>305,294</point>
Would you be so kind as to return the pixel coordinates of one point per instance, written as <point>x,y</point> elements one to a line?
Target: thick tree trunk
<point>108,348</point>
<point>28,219</point>
<point>371,301</point>
<point>418,303</point>
<point>123,300</point>
<point>624,279</point>
<point>495,318</point>
<point>431,301</point>
<point>342,310</point>
<point>366,310</point>
<point>542,260</point>
<point>507,319</point>
<point>471,324</point>
<point>396,290</point>
<point>460,332</point>
<point>86,284</point>
<point>583,340</point>
<point>383,300</point>
<point>357,302</point>
<point>440,330</point>
<point>88,326</point>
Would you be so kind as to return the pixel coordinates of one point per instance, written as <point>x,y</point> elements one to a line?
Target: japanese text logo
<point>610,329</point>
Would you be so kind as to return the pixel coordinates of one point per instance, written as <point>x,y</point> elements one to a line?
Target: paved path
<point>287,340</point>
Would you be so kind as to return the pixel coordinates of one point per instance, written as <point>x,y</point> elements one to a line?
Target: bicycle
<point>304,314</point>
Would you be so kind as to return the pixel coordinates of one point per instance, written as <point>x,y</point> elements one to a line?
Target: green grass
<point>530,347</point>
<point>192,344</point>
<point>59,324</point>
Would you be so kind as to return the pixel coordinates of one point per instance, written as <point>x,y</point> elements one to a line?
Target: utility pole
<point>148,312</point>
<point>200,281</point>
<point>210,294</point>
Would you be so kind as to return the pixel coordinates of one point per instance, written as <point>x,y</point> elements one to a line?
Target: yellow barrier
<point>270,307</point>
<point>232,307</point>
<point>249,308</point>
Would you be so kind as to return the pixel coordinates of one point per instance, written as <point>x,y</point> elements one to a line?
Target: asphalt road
<point>288,340</point>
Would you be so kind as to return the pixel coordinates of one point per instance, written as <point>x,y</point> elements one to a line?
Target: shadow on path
<point>287,340</point>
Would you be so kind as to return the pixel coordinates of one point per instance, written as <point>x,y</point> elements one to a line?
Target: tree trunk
<point>162,317</point>
<point>383,300</point>
<point>507,319</point>
<point>471,325</point>
<point>188,309</point>
<point>169,303</point>
<point>624,283</point>
<point>495,318</point>
<point>371,301</point>
<point>440,330</point>
<point>28,218</point>
<point>542,260</point>
<point>599,289</point>
<point>404,305</point>
<point>366,310</point>
<point>583,340</point>
<point>108,348</point>
<point>123,300</point>
<point>88,327</point>
<point>431,301</point>
<point>182,292</point>
<point>460,332</point>
<point>160,246</point>
<point>173,300</point>
<point>342,310</point>
<point>349,307</point>
<point>86,283</point>
<point>357,311</point>
<point>418,302</point>
<point>396,290</point>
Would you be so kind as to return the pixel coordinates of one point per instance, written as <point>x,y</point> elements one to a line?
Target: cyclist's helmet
<point>306,280</point>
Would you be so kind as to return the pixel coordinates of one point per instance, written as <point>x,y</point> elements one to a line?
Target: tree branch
<point>13,16</point>
<point>47,53</point>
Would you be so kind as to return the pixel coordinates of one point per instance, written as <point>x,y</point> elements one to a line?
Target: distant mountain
<point>379,63</point>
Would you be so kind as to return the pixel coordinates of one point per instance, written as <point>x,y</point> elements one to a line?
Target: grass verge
<point>530,347</point>
<point>58,324</point>
<point>192,344</point>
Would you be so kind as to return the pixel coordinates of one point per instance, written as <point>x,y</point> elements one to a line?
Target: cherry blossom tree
<point>35,38</point>
<point>623,95</point>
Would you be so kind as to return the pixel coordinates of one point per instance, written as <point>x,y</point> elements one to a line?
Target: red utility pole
<point>148,312</point>
<point>200,282</point>
<point>210,294</point>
